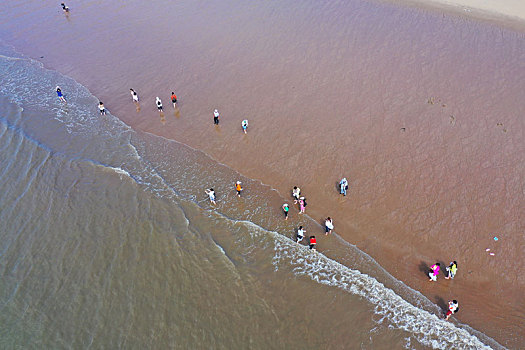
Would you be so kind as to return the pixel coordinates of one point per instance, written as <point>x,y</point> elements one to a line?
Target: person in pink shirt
<point>302,205</point>
<point>434,271</point>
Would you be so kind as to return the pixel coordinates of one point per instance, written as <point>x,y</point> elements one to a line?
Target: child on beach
<point>211,195</point>
<point>216,117</point>
<point>313,242</point>
<point>302,205</point>
<point>101,108</point>
<point>244,125</point>
<point>285,209</point>
<point>174,99</point>
<point>296,193</point>
<point>328,225</point>
<point>453,307</point>
<point>159,104</point>
<point>134,95</point>
<point>59,94</point>
<point>434,271</point>
<point>300,234</point>
<point>343,184</point>
<point>238,188</point>
<point>451,270</point>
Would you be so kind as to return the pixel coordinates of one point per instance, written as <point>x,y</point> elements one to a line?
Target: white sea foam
<point>426,328</point>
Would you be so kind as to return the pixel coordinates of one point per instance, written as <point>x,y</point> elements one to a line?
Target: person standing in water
<point>211,194</point>
<point>134,95</point>
<point>216,116</point>
<point>296,194</point>
<point>302,205</point>
<point>453,307</point>
<point>285,210</point>
<point>159,104</point>
<point>64,8</point>
<point>101,108</point>
<point>328,225</point>
<point>451,270</point>
<point>174,99</point>
<point>343,184</point>
<point>300,234</point>
<point>244,125</point>
<point>434,272</point>
<point>238,188</point>
<point>313,242</point>
<point>60,95</point>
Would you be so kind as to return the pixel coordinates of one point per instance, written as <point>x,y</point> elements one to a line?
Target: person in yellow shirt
<point>451,270</point>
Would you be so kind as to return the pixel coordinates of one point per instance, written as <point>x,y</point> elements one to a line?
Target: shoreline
<point>357,217</point>
<point>511,16</point>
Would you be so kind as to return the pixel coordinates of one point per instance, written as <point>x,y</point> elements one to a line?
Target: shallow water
<point>109,241</point>
<point>422,110</point>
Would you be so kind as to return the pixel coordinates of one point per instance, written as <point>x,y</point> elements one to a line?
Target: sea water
<point>108,241</point>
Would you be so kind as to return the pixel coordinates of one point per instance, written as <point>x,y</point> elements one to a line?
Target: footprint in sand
<point>431,100</point>
<point>403,129</point>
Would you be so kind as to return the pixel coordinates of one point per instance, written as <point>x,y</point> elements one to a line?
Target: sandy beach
<point>422,113</point>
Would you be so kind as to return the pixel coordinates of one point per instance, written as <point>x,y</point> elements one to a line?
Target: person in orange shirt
<point>238,188</point>
<point>174,99</point>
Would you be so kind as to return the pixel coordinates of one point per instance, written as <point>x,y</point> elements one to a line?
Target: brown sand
<point>422,113</point>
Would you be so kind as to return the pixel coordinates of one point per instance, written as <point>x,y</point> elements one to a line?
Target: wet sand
<point>422,113</point>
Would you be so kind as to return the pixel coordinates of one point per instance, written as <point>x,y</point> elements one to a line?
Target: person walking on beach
<point>134,96</point>
<point>216,117</point>
<point>302,205</point>
<point>244,125</point>
<point>313,242</point>
<point>451,270</point>
<point>211,194</point>
<point>174,99</point>
<point>64,8</point>
<point>238,188</point>
<point>296,193</point>
<point>343,184</point>
<point>300,234</point>
<point>159,104</point>
<point>453,307</point>
<point>434,272</point>
<point>328,226</point>
<point>285,210</point>
<point>101,108</point>
<point>59,94</point>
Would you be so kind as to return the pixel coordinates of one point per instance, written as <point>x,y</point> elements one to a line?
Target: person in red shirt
<point>313,242</point>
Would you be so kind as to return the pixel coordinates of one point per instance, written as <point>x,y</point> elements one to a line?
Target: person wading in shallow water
<point>434,272</point>
<point>238,188</point>
<point>300,234</point>
<point>60,95</point>
<point>216,117</point>
<point>453,307</point>
<point>211,194</point>
<point>451,270</point>
<point>134,95</point>
<point>313,242</point>
<point>158,102</point>
<point>285,210</point>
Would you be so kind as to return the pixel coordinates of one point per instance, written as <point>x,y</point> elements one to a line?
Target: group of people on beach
<point>453,305</point>
<point>296,194</point>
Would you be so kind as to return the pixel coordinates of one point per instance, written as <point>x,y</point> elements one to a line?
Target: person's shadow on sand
<point>424,268</point>
<point>440,302</point>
